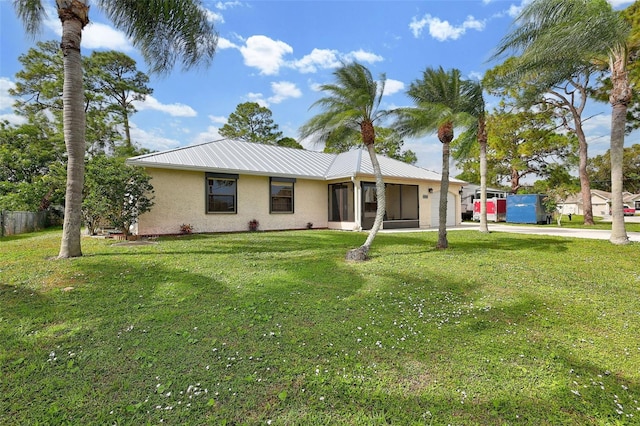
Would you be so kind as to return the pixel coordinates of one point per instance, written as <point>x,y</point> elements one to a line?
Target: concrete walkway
<point>596,234</point>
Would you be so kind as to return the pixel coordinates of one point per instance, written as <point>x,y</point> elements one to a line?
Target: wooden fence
<point>14,223</point>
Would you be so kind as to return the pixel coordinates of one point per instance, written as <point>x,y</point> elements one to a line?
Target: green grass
<point>276,328</point>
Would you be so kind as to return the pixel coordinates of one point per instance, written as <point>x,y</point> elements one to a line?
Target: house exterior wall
<point>180,199</point>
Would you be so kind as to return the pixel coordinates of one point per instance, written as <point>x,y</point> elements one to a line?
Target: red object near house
<point>496,209</point>
<point>628,211</point>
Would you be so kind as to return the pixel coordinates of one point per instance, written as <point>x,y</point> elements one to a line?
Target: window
<point>222,191</point>
<point>281,195</point>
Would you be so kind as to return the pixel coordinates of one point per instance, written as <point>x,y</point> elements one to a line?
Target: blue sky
<point>278,52</point>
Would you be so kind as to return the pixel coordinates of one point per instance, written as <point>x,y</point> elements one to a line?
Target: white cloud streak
<point>174,110</point>
<point>443,30</point>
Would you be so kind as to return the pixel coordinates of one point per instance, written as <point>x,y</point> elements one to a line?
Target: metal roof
<point>232,156</point>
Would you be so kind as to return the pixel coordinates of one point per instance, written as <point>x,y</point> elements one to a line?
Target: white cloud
<point>175,110</point>
<point>265,54</point>
<point>283,90</point>
<point>393,86</point>
<point>258,98</point>
<point>217,119</point>
<point>101,36</point>
<point>443,30</point>
<point>362,56</point>
<point>318,58</point>
<point>14,119</point>
<point>153,139</point>
<point>330,58</point>
<point>211,134</point>
<point>6,100</point>
<point>223,43</point>
<point>227,4</point>
<point>214,16</point>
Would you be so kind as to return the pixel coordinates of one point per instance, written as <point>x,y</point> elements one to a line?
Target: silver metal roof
<point>232,156</point>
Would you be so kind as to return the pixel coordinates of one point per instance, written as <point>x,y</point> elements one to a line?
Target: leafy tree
<point>559,39</point>
<point>251,123</point>
<point>566,100</point>
<point>388,143</point>
<point>39,82</point>
<point>115,77</point>
<point>600,170</point>
<point>31,157</point>
<point>114,192</point>
<point>163,31</point>
<point>112,83</point>
<point>288,142</point>
<point>440,106</point>
<point>352,103</point>
<point>524,143</point>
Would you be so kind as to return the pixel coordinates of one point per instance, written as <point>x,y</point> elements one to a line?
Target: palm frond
<point>352,99</point>
<point>31,12</point>
<point>165,31</point>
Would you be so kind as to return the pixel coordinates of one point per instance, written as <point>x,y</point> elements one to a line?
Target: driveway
<point>596,234</point>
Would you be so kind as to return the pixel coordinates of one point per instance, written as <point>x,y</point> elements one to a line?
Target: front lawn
<point>276,328</point>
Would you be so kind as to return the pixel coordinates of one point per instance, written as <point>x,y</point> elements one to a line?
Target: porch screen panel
<point>410,202</point>
<point>341,203</point>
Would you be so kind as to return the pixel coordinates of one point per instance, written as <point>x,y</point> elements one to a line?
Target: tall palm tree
<point>352,105</point>
<point>561,38</point>
<point>164,30</point>
<point>477,131</point>
<point>440,106</point>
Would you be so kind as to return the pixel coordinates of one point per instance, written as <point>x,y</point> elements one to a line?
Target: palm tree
<point>563,38</point>
<point>477,131</point>
<point>352,105</point>
<point>164,31</point>
<point>440,106</point>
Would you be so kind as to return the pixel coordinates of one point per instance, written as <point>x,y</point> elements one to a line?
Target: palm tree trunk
<point>380,194</point>
<point>443,243</point>
<point>619,98</point>
<point>368,137</point>
<point>74,17</point>
<point>482,140</point>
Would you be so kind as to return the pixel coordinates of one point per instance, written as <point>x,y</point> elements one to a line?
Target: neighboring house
<point>600,202</point>
<point>633,200</point>
<point>220,186</point>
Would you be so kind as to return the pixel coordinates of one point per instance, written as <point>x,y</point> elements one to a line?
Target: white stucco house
<point>220,186</point>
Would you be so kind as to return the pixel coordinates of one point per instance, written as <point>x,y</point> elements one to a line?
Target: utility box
<point>496,209</point>
<point>526,208</point>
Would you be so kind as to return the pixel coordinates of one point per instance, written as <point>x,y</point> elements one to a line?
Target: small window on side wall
<point>281,199</point>
<point>222,193</point>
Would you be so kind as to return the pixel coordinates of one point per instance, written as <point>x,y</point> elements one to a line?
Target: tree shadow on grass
<point>470,241</point>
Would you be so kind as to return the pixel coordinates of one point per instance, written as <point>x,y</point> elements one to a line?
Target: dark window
<point>222,192</point>
<point>281,195</point>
